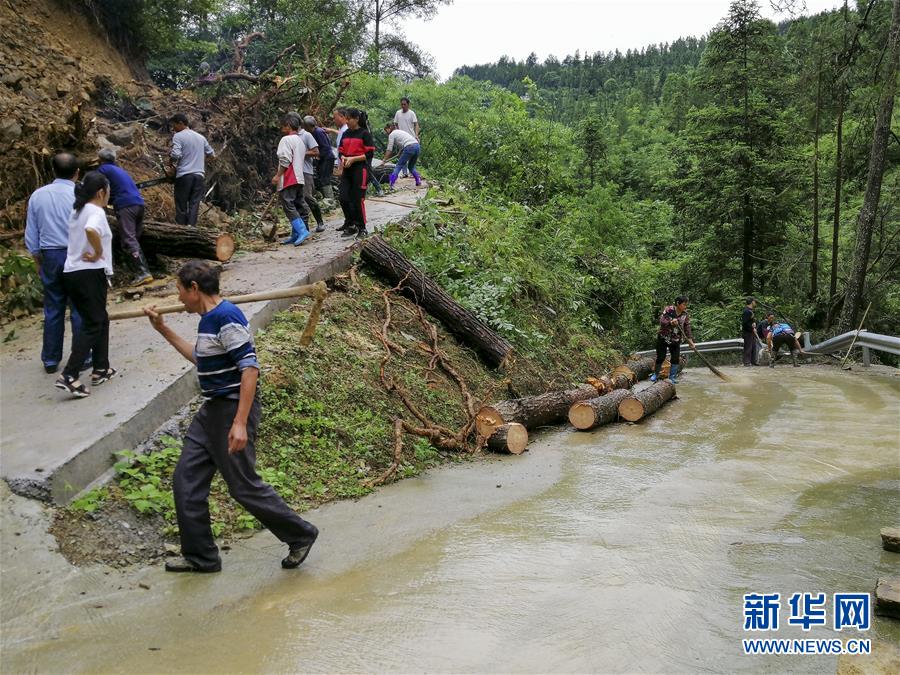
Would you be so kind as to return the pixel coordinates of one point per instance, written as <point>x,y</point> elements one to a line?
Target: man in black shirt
<point>748,332</point>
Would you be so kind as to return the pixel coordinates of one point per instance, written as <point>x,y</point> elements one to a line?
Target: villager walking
<point>129,207</point>
<point>85,276</point>
<point>222,435</point>
<point>355,151</point>
<point>748,333</point>
<point>47,240</point>
<point>188,161</point>
<point>288,180</point>
<point>408,148</point>
<point>674,325</point>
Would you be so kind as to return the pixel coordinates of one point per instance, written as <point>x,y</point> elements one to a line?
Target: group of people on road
<point>675,327</point>
<point>69,237</point>
<point>307,159</point>
<point>770,331</point>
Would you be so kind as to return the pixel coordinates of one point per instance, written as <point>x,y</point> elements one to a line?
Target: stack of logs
<point>505,425</point>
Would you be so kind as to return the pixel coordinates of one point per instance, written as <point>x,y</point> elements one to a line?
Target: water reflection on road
<point>635,560</point>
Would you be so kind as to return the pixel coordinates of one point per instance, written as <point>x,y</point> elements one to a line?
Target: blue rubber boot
<point>654,377</point>
<point>673,374</point>
<point>295,231</point>
<point>299,227</point>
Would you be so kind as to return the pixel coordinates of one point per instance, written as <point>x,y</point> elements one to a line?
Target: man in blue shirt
<point>47,239</point>
<point>129,206</point>
<point>222,435</point>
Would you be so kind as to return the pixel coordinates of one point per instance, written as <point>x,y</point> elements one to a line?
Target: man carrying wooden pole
<point>222,434</point>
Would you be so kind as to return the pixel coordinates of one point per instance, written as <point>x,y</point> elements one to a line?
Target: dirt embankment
<point>64,87</point>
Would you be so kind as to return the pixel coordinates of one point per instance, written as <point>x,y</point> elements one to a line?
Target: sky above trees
<point>481,31</point>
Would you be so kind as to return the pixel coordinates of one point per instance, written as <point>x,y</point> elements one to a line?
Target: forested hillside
<point>594,188</point>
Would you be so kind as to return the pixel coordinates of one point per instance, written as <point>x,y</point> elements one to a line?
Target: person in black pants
<point>222,434</point>
<point>88,264</point>
<point>356,151</point>
<point>674,325</point>
<point>748,333</point>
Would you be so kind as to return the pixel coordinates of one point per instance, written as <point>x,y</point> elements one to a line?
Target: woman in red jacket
<point>355,151</point>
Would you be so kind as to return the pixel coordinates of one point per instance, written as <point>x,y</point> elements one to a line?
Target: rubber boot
<point>302,233</point>
<point>141,271</point>
<point>794,354</point>
<point>392,180</point>
<point>655,376</point>
<point>673,374</point>
<point>295,232</point>
<point>417,177</point>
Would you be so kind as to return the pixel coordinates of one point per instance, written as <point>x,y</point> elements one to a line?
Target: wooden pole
<point>859,328</point>
<point>317,290</point>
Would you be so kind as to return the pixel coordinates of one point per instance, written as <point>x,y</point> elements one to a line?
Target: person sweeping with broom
<point>674,324</point>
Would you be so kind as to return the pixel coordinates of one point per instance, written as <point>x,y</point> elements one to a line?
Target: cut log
<point>187,241</point>
<point>531,411</point>
<point>890,539</point>
<point>511,438</point>
<point>595,412</point>
<point>646,402</point>
<point>887,597</point>
<point>396,269</point>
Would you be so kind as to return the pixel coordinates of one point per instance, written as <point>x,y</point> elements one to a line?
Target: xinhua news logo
<point>847,611</point>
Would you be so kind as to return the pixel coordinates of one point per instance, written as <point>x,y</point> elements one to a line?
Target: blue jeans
<point>407,160</point>
<point>55,301</point>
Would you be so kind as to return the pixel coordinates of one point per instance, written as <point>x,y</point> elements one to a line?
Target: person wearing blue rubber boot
<point>289,179</point>
<point>674,325</point>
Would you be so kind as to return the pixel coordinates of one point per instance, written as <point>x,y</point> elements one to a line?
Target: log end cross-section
<point>511,438</point>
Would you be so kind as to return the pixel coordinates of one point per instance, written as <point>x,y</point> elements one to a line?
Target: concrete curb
<point>61,482</point>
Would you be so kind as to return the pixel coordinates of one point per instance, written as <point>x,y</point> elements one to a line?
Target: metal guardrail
<point>864,340</point>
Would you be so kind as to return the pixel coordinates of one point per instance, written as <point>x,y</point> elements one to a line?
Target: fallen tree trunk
<point>642,368</point>
<point>395,268</point>
<point>646,402</point>
<point>595,412</point>
<point>187,241</point>
<point>511,438</point>
<point>531,411</point>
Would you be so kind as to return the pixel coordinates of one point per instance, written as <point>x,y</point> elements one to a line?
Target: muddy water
<point>632,556</point>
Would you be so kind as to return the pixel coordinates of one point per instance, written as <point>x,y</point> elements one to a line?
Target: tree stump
<point>511,438</point>
<point>890,539</point>
<point>595,412</point>
<point>887,597</point>
<point>646,402</point>
<point>531,411</point>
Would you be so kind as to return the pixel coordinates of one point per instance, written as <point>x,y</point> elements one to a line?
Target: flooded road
<point>627,549</point>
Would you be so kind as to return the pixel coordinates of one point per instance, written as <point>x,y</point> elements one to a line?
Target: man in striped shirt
<point>222,434</point>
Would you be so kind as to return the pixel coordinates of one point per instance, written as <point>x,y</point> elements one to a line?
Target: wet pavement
<point>626,549</point>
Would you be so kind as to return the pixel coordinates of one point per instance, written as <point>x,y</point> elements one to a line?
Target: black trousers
<point>188,195</point>
<point>751,348</point>
<point>87,290</point>
<point>674,348</point>
<point>205,450</point>
<point>309,196</point>
<point>354,182</point>
<point>785,340</point>
<point>324,171</point>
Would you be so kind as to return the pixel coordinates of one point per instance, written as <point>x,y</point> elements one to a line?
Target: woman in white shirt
<point>88,263</point>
